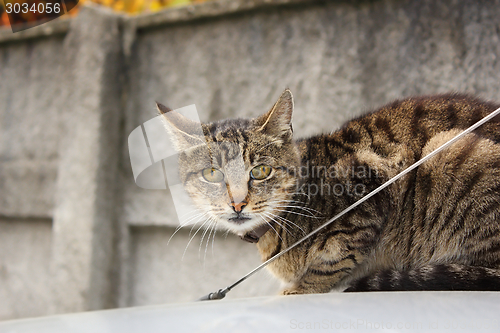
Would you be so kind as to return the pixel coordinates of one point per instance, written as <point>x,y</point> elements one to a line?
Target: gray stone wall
<point>77,234</point>
<point>29,136</point>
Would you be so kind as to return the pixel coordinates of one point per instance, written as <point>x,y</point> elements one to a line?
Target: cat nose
<point>238,207</point>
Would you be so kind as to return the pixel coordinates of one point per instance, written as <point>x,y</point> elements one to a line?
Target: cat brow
<point>270,143</point>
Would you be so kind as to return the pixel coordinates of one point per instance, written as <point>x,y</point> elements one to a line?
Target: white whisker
<point>198,216</point>
<point>300,202</point>
<point>212,228</point>
<point>213,237</point>
<point>190,240</point>
<point>203,237</point>
<point>307,195</point>
<point>289,211</point>
<point>262,217</point>
<point>305,210</point>
<point>287,221</point>
<point>281,225</point>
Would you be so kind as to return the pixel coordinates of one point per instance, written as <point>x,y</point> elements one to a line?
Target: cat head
<point>237,171</point>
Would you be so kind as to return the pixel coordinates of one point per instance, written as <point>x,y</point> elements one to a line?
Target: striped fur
<point>435,229</point>
<point>431,277</point>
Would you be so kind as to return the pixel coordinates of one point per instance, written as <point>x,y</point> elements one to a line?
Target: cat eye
<point>260,172</point>
<point>212,175</point>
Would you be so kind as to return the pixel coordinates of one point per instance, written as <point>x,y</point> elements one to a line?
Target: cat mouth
<point>239,219</point>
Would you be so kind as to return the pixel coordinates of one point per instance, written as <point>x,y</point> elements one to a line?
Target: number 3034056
<point>47,8</point>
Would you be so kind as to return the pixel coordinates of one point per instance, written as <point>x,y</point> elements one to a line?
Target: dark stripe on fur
<point>334,233</point>
<point>438,277</point>
<point>328,273</point>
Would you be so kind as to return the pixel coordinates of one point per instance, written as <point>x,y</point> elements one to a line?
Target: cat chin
<point>244,228</point>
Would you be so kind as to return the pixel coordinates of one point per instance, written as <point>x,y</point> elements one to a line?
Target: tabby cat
<point>435,229</point>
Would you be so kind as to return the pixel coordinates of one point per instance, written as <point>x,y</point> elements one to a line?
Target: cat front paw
<point>290,292</point>
<point>309,289</point>
<point>298,290</point>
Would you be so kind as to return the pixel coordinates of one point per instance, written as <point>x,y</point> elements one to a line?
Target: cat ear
<point>184,132</point>
<point>278,121</point>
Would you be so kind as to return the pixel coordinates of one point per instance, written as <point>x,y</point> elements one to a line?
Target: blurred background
<point>77,234</point>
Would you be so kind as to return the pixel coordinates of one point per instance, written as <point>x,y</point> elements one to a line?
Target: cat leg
<point>324,275</point>
<point>431,277</point>
<point>335,253</point>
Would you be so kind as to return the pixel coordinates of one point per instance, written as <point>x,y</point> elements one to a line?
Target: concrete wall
<point>77,234</point>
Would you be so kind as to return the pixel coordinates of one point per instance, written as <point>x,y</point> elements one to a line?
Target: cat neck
<point>254,235</point>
